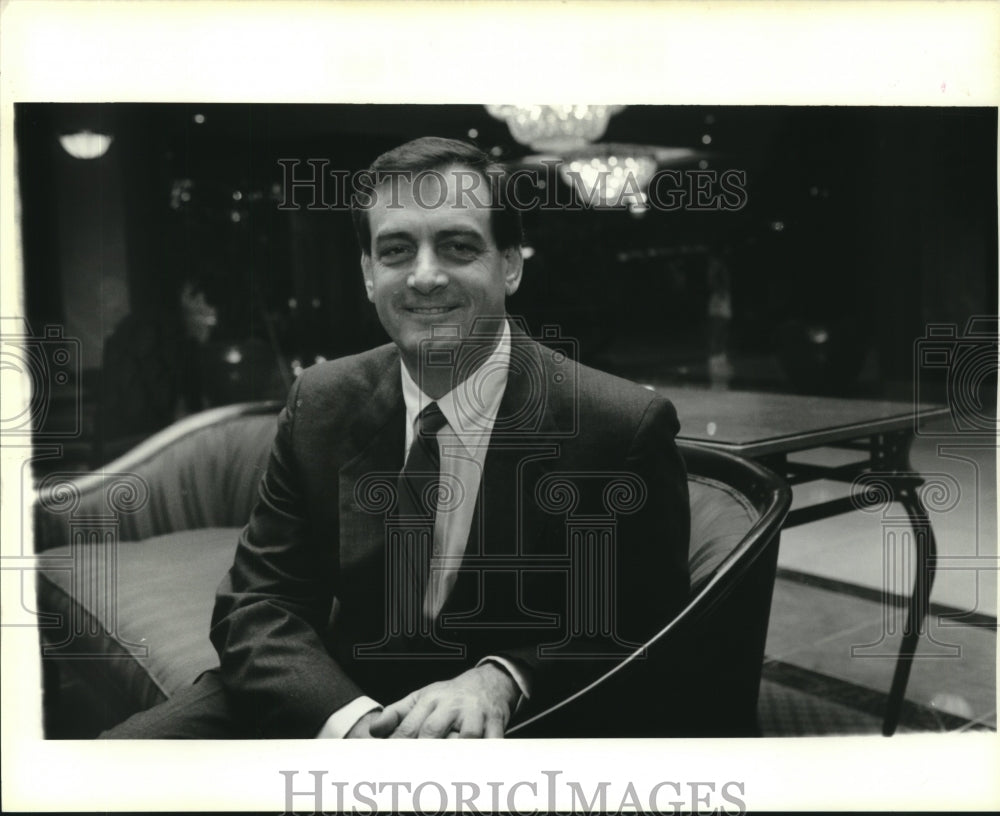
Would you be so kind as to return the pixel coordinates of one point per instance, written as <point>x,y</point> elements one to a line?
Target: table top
<point>754,423</point>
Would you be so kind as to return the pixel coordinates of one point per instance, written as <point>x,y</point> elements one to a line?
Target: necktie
<point>419,478</point>
<point>416,508</point>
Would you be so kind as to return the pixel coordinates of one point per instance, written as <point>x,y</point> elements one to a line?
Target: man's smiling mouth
<point>429,310</point>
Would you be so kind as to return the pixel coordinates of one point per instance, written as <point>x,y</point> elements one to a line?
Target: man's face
<point>434,262</point>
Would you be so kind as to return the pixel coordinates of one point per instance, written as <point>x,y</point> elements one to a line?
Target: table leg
<point>889,459</point>
<point>893,451</point>
<point>916,615</point>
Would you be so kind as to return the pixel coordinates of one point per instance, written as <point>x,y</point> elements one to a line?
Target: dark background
<point>862,226</point>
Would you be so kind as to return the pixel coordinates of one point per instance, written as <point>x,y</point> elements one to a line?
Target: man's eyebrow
<point>440,235</point>
<point>393,236</point>
<point>459,233</point>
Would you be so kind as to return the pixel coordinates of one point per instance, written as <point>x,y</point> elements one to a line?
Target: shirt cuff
<point>344,719</point>
<point>520,679</point>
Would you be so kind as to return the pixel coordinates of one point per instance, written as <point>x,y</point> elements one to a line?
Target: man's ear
<point>366,270</point>
<point>513,266</point>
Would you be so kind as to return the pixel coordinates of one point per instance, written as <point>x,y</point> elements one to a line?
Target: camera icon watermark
<point>965,363</point>
<point>49,363</point>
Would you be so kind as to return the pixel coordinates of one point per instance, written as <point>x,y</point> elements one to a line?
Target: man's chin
<point>437,350</point>
<point>446,342</point>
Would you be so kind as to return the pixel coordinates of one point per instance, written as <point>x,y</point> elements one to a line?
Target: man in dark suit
<point>453,528</point>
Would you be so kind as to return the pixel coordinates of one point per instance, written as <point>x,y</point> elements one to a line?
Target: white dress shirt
<point>470,410</point>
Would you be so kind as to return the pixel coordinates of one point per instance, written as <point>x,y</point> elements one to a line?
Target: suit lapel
<point>508,523</point>
<point>368,479</point>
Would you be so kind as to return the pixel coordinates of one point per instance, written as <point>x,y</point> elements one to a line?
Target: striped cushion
<point>149,618</point>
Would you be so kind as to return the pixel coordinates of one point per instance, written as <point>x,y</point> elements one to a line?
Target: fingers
<point>472,725</point>
<point>449,722</point>
<point>471,706</point>
<point>390,718</point>
<point>494,728</point>
<point>410,726</point>
<point>385,723</point>
<point>438,723</point>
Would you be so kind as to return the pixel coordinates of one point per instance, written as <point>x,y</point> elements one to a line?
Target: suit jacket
<point>578,549</point>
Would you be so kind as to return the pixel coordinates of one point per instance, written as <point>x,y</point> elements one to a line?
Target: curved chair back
<point>202,471</point>
<point>700,674</point>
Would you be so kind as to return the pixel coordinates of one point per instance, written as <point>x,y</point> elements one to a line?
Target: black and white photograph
<point>650,438</point>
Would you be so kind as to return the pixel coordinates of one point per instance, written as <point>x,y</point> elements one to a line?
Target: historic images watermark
<point>312,184</point>
<point>313,792</point>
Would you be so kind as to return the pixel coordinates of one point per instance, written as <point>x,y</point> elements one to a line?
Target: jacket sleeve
<point>273,605</point>
<point>653,575</point>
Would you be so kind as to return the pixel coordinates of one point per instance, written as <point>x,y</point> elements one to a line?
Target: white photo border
<point>794,53</point>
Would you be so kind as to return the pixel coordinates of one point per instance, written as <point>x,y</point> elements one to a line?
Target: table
<point>767,427</point>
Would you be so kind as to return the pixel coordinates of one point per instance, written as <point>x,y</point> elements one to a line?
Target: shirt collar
<point>471,407</point>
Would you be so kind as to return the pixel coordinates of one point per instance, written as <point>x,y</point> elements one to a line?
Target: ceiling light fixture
<point>618,175</point>
<point>86,144</point>
<point>555,128</point>
<point>603,175</point>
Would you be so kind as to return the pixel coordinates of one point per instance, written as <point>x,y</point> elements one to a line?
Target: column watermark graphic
<point>592,546</point>
<point>91,567</point>
<point>907,550</point>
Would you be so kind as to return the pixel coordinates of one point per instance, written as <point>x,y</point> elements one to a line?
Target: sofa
<point>129,558</point>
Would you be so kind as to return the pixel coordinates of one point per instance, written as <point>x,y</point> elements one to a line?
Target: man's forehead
<point>454,197</point>
<point>438,180</point>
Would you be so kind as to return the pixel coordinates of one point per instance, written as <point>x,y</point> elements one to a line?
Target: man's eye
<point>395,253</point>
<point>460,250</point>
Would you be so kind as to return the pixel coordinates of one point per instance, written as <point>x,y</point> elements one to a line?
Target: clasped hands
<point>475,704</point>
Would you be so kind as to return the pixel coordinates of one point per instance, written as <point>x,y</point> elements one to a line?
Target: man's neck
<point>434,386</point>
<point>436,379</point>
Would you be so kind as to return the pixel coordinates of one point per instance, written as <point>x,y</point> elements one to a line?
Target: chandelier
<point>618,175</point>
<point>86,144</point>
<point>603,175</point>
<point>611,176</point>
<point>555,128</point>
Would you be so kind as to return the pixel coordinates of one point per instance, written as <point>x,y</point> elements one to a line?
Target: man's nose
<point>427,273</point>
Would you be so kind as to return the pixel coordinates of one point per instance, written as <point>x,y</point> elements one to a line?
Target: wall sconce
<point>86,144</point>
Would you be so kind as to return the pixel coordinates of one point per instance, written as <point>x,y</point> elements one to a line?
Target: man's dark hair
<point>435,153</point>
